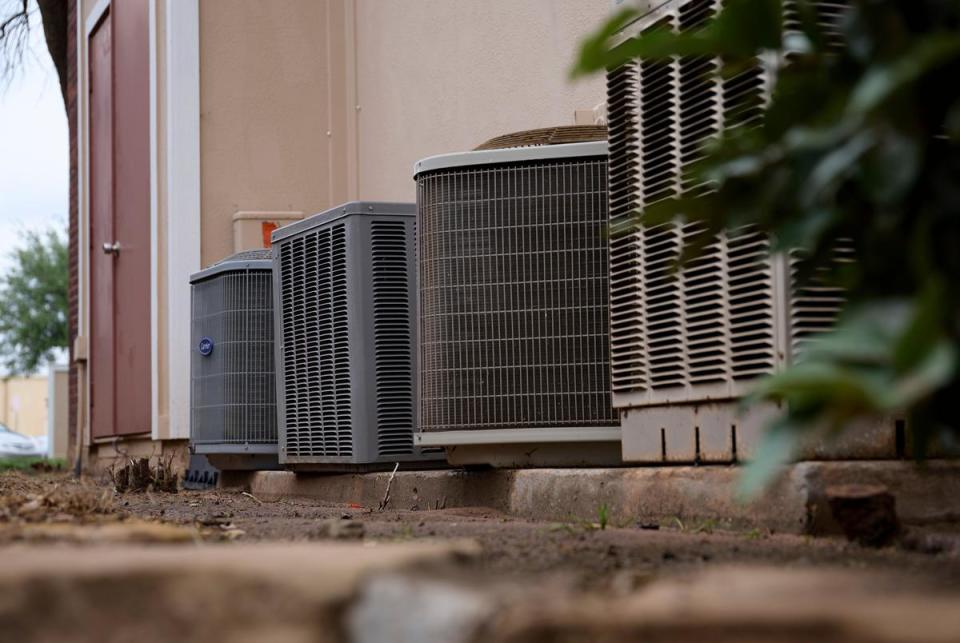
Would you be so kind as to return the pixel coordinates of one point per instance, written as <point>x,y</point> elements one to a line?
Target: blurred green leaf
<point>891,167</point>
<point>833,168</point>
<point>936,368</point>
<point>804,232</point>
<point>595,49</point>
<point>881,81</point>
<point>858,149</point>
<point>743,29</point>
<point>807,383</point>
<point>774,450</point>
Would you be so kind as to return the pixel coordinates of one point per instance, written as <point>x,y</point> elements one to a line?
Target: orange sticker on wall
<point>267,227</point>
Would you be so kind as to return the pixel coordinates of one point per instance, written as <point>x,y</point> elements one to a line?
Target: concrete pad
<point>693,495</point>
<point>746,604</point>
<point>277,592</point>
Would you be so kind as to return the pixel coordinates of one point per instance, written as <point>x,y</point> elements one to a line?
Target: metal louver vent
<point>392,338</point>
<point>814,304</point>
<point>628,367</point>
<point>752,293</point>
<point>685,345</point>
<point>702,332</point>
<point>315,347</point>
<point>514,295</point>
<point>232,401</point>
<point>346,315</point>
<point>828,16</point>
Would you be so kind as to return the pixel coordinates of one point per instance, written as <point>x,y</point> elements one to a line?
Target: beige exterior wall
<point>309,103</point>
<point>58,393</point>
<point>23,404</point>
<point>265,110</point>
<point>104,456</point>
<point>435,76</point>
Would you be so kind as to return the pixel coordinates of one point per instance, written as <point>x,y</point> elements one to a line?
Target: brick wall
<point>72,297</point>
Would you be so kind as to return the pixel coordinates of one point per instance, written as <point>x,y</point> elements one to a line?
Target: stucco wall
<point>263,112</point>
<point>306,103</point>
<point>23,404</point>
<point>58,438</point>
<point>437,76</point>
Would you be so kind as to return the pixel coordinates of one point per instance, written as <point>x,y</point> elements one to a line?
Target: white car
<point>13,444</point>
<point>42,443</point>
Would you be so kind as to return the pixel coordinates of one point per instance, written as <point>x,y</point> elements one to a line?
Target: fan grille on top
<point>547,136</point>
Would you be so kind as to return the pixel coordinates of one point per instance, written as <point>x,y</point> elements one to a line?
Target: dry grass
<point>137,474</point>
<point>31,499</point>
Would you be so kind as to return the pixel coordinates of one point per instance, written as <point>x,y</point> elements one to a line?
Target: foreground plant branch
<point>859,143</point>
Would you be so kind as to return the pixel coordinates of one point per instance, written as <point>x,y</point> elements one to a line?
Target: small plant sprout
<point>603,515</point>
<point>707,526</point>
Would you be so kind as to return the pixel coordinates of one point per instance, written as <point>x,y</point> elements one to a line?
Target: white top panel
<point>510,155</point>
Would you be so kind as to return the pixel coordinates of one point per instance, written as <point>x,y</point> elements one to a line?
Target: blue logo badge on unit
<point>205,346</point>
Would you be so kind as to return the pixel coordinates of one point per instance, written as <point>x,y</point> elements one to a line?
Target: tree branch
<point>18,19</point>
<point>15,36</point>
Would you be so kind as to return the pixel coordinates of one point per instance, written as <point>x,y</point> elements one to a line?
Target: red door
<point>102,381</point>
<point>120,222</point>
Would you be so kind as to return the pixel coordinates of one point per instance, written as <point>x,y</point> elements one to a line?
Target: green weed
<point>32,463</point>
<point>603,515</point>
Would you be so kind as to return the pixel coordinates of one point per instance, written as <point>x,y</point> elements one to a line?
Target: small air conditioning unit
<point>345,302</point>
<point>233,418</point>
<point>514,301</point>
<point>686,346</point>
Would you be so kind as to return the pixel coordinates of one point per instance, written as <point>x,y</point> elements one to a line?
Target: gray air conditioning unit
<point>345,299</point>
<point>233,419</point>
<point>685,346</point>
<point>514,301</point>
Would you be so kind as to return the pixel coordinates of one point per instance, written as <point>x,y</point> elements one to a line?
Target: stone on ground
<point>161,593</point>
<point>736,605</point>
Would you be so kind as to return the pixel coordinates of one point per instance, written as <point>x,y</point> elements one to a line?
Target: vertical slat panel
<point>316,348</point>
<point>751,295</point>
<point>695,333</point>
<point>393,338</point>
<point>815,304</point>
<point>348,337</point>
<point>660,138</point>
<point>628,364</point>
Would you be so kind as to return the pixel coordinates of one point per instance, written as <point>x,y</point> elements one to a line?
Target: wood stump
<point>867,513</point>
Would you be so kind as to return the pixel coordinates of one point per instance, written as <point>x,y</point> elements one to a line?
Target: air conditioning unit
<point>686,346</point>
<point>345,302</point>
<point>233,417</point>
<point>514,301</point>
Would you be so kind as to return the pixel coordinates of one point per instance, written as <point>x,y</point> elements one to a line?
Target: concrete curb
<point>693,495</point>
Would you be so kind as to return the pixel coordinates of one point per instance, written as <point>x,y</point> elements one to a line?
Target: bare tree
<point>14,36</point>
<point>15,27</point>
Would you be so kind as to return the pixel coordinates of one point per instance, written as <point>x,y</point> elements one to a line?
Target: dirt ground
<point>613,559</point>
